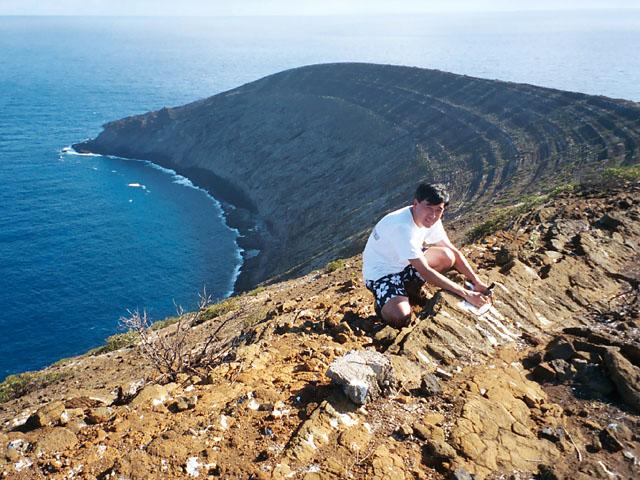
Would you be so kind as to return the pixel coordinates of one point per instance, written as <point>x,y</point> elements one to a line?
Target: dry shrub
<point>171,350</point>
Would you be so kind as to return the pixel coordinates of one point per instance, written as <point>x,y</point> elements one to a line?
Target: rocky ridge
<point>273,149</point>
<point>546,383</point>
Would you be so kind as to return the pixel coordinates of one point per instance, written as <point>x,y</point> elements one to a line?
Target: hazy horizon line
<point>352,14</point>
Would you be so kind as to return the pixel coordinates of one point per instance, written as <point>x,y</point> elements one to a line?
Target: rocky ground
<point>545,385</point>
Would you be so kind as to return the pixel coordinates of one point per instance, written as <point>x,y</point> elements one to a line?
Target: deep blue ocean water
<point>84,238</point>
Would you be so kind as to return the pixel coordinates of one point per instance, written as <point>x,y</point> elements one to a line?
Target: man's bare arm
<point>433,277</point>
<point>463,266</point>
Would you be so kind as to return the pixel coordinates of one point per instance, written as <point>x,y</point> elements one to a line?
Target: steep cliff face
<point>313,156</point>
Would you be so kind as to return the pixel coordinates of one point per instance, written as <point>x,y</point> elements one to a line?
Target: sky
<point>291,7</point>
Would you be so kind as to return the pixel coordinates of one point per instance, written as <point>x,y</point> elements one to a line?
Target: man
<point>395,255</point>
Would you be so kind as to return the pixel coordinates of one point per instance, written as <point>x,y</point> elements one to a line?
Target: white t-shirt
<point>394,241</point>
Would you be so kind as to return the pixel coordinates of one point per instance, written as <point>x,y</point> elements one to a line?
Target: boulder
<point>49,414</point>
<point>151,395</point>
<point>58,439</point>
<point>363,375</point>
<point>625,376</point>
<point>99,415</point>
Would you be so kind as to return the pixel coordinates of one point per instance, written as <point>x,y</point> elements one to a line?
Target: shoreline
<point>238,212</point>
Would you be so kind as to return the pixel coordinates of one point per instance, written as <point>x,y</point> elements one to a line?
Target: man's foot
<point>400,323</point>
<point>417,297</point>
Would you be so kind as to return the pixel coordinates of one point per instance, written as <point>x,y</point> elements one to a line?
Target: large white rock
<point>362,374</point>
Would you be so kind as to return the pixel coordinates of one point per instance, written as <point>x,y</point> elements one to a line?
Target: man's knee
<point>440,258</point>
<point>450,257</point>
<point>397,312</point>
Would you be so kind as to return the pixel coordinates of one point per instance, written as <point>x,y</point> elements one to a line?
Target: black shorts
<point>392,285</point>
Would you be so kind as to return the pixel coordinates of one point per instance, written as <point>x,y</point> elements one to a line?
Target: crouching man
<point>411,244</point>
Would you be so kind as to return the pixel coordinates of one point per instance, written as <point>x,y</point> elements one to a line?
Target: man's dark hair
<point>433,194</point>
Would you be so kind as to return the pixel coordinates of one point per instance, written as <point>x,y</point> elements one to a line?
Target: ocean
<point>84,239</point>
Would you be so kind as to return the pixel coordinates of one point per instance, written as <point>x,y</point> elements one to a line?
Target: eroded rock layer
<point>309,158</point>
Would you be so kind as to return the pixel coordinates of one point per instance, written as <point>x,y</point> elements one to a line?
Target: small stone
<point>503,256</point>
<point>559,349</point>
<point>441,450</point>
<point>47,415</point>
<point>609,222</point>
<point>544,373</point>
<point>430,385</point>
<point>609,439</point>
<point>564,370</point>
<point>151,395</point>
<point>179,405</point>
<point>262,456</point>
<point>461,474</point>
<point>342,338</point>
<point>404,430</point>
<point>553,255</point>
<point>531,360</point>
<point>546,472</point>
<point>439,372</point>
<point>629,456</point>
<point>99,415</point>
<point>553,434</point>
<point>386,336</point>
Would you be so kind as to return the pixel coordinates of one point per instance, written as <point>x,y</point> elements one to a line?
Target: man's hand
<point>480,286</point>
<point>476,299</point>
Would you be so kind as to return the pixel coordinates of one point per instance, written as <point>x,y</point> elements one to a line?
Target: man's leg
<point>397,312</point>
<point>440,258</point>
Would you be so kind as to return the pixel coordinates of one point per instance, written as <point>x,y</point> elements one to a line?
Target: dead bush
<point>176,349</point>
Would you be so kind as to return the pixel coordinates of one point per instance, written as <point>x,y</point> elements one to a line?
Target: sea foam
<point>71,151</point>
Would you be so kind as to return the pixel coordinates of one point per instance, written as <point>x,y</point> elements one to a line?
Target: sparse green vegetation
<point>565,187</point>
<point>213,311</point>
<point>255,317</point>
<point>256,291</point>
<point>630,173</point>
<point>160,324</point>
<point>116,342</point>
<point>335,265</point>
<point>499,218</point>
<point>15,386</point>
